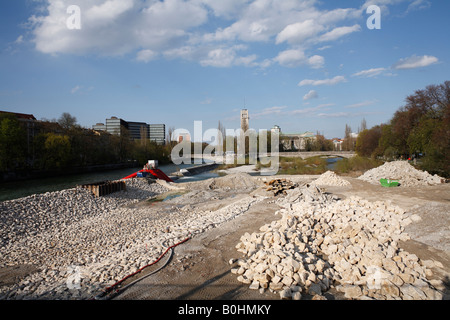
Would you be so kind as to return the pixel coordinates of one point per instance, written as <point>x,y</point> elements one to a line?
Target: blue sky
<point>304,65</point>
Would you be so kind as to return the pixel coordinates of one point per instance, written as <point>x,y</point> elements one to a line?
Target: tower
<point>244,120</point>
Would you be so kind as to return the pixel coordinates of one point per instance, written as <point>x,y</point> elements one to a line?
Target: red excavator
<point>149,169</point>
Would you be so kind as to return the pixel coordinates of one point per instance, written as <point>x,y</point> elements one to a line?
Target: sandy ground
<point>199,268</point>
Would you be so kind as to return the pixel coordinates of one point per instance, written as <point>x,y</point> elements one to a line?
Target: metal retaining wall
<point>104,188</point>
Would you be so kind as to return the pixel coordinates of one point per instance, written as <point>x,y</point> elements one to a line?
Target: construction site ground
<point>199,269</point>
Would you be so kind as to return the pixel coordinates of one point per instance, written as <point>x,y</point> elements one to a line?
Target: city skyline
<point>303,65</point>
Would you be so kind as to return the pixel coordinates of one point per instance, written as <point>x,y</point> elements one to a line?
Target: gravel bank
<point>80,244</point>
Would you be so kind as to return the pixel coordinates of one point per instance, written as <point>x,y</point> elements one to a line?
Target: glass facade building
<point>136,130</point>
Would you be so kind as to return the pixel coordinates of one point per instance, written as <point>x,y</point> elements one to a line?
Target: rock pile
<point>322,242</point>
<point>402,171</point>
<point>330,178</point>
<point>80,244</point>
<point>279,186</point>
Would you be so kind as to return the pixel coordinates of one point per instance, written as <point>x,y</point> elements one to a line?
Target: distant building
<point>184,137</point>
<point>157,133</point>
<point>136,130</point>
<point>276,129</point>
<point>296,141</point>
<point>245,123</point>
<point>337,144</point>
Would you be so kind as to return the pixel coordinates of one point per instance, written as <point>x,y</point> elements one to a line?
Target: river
<point>331,162</point>
<point>19,189</point>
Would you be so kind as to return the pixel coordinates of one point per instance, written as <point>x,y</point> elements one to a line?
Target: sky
<point>304,65</point>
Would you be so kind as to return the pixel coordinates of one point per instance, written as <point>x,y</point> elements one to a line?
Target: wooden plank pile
<point>279,186</point>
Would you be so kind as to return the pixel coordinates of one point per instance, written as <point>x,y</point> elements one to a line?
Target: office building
<point>136,130</point>
<point>157,133</point>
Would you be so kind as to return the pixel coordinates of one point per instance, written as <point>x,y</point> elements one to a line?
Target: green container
<point>389,183</point>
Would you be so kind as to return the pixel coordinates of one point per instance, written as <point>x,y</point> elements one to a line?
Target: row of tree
<point>59,144</point>
<point>420,129</point>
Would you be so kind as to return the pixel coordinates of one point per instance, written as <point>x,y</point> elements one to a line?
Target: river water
<point>19,189</point>
<point>331,162</point>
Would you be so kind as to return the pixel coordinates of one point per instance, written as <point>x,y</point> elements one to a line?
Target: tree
<point>368,141</point>
<point>422,126</point>
<point>67,121</point>
<point>363,125</point>
<point>57,151</point>
<point>12,143</point>
<point>348,140</point>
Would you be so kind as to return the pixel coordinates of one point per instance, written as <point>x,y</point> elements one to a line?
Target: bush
<point>356,163</point>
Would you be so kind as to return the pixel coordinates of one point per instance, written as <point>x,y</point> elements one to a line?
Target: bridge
<point>310,154</point>
<point>298,154</point>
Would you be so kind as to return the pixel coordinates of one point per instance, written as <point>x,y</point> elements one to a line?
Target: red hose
<point>108,289</point>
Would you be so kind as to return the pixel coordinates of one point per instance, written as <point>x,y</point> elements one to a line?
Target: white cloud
<point>415,62</point>
<point>369,73</point>
<point>109,10</point>
<point>19,40</point>
<point>276,110</point>
<point>316,62</point>
<point>311,95</point>
<point>184,29</point>
<point>339,32</point>
<point>291,58</point>
<point>419,5</point>
<point>227,57</point>
<point>146,55</point>
<point>295,57</point>
<point>75,89</point>
<point>360,104</point>
<point>311,110</point>
<point>298,32</point>
<point>329,82</point>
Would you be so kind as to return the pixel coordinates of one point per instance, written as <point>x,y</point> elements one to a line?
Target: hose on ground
<point>106,292</point>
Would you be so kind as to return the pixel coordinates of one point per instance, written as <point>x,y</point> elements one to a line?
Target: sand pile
<point>402,171</point>
<point>330,178</point>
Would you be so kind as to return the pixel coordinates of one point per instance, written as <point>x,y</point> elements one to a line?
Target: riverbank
<point>71,245</point>
<point>43,174</point>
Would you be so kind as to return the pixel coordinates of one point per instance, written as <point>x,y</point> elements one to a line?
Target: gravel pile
<point>406,174</point>
<point>321,242</point>
<point>82,244</point>
<point>235,181</point>
<point>330,178</point>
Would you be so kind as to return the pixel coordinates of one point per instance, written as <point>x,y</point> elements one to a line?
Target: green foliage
<point>57,151</point>
<point>63,144</point>
<point>12,143</point>
<point>356,163</point>
<point>419,127</point>
<point>296,165</point>
<point>367,142</point>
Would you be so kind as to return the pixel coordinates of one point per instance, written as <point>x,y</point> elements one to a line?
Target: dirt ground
<point>199,269</point>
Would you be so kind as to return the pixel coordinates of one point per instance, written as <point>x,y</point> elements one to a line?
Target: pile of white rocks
<point>80,244</point>
<point>407,175</point>
<point>320,243</point>
<point>330,178</point>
